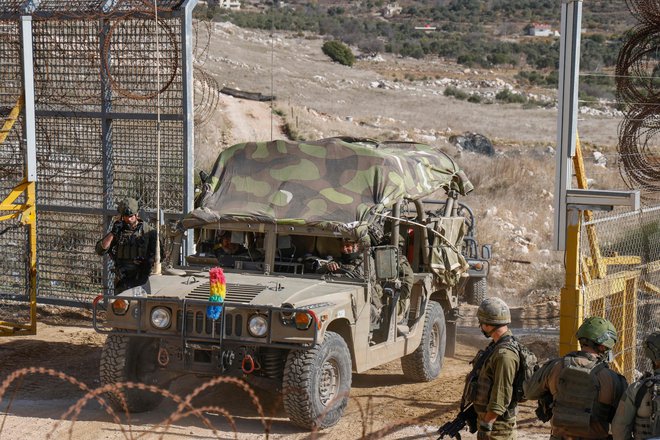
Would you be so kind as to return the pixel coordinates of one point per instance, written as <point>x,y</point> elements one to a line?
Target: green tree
<point>339,52</point>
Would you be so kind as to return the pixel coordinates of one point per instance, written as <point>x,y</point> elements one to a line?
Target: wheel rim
<point>434,343</point>
<point>330,380</point>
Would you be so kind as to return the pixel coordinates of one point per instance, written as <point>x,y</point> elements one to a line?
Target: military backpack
<point>650,428</point>
<point>576,403</point>
<point>526,367</point>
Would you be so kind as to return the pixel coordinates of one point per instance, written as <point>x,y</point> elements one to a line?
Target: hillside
<point>317,98</point>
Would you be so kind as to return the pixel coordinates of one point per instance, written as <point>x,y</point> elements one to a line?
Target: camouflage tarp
<point>337,182</point>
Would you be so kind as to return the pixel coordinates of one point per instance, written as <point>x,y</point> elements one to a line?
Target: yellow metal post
<point>27,215</point>
<point>571,309</point>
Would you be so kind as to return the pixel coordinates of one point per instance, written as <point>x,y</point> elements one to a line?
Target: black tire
<point>425,363</point>
<point>132,359</point>
<point>317,383</point>
<point>476,290</point>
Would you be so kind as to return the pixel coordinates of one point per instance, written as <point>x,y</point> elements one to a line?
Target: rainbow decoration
<point>218,292</point>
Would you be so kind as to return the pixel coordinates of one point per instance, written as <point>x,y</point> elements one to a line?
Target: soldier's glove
<point>117,228</point>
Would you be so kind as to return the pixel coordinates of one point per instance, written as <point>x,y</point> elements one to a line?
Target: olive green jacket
<point>495,382</point>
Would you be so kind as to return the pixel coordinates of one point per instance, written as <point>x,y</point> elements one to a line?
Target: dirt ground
<point>383,403</point>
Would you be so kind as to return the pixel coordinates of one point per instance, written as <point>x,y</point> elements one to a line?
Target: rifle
<point>467,416</point>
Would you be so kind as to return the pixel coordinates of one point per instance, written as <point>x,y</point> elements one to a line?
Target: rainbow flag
<point>218,292</point>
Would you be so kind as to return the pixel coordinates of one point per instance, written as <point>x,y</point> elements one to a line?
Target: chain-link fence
<point>620,277</point>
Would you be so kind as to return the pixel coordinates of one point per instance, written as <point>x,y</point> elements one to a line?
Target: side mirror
<point>386,260</point>
<point>486,252</point>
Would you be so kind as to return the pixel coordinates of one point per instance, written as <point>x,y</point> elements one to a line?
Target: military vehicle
<point>282,325</point>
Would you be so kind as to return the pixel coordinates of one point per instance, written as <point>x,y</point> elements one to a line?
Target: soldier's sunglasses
<point>128,213</point>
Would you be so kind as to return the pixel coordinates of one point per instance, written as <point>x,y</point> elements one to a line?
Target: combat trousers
<point>504,430</point>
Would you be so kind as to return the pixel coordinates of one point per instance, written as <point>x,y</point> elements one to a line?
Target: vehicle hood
<point>255,289</point>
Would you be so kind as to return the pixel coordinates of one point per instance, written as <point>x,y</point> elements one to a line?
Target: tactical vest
<point>576,402</point>
<point>647,402</point>
<point>132,245</point>
<point>526,367</point>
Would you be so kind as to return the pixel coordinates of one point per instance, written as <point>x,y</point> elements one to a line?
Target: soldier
<point>350,261</point>
<point>351,264</point>
<point>131,244</point>
<point>489,387</point>
<point>584,391</point>
<point>227,247</point>
<point>638,414</point>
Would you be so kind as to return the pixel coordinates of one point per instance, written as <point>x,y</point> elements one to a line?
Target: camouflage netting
<point>337,182</point>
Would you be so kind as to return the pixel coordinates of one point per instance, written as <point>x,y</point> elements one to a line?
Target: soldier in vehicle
<point>131,243</point>
<point>584,390</point>
<point>638,414</point>
<point>350,261</point>
<point>351,264</point>
<point>226,247</point>
<point>489,387</point>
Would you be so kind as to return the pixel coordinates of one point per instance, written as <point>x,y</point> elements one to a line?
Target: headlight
<point>161,317</point>
<point>120,306</point>
<point>258,326</point>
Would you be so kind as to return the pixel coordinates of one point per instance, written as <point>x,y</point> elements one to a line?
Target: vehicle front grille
<point>198,324</point>
<point>240,293</point>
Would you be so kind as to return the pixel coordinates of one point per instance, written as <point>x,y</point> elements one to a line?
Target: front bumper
<point>191,325</point>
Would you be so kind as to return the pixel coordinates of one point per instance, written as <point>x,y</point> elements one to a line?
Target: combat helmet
<point>652,346</point>
<point>127,206</point>
<point>598,330</point>
<point>493,311</point>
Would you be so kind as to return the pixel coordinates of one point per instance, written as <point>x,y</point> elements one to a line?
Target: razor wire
<point>638,90</point>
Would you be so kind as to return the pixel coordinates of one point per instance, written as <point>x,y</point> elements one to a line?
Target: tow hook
<point>248,364</point>
<point>163,357</point>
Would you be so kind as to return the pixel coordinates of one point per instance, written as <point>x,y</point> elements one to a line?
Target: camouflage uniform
<point>132,250</point>
<point>610,388</point>
<point>638,414</point>
<point>407,279</point>
<point>494,389</point>
<point>629,419</point>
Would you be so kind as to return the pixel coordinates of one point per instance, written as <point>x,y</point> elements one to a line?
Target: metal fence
<point>620,279</point>
<point>112,101</point>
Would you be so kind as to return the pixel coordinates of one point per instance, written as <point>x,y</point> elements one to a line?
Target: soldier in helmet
<point>131,243</point>
<point>489,386</point>
<point>583,389</point>
<point>638,414</point>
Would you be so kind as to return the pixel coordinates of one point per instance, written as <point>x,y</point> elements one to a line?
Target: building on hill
<point>227,4</point>
<point>391,9</point>
<point>540,30</point>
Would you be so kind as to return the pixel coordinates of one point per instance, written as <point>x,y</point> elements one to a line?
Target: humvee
<point>283,326</point>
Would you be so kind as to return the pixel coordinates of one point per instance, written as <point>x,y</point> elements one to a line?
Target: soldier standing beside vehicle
<point>131,243</point>
<point>584,390</point>
<point>638,414</point>
<point>490,385</point>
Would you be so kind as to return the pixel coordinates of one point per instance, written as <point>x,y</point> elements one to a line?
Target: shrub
<point>339,52</point>
<point>507,96</point>
<point>456,93</point>
<point>476,99</point>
